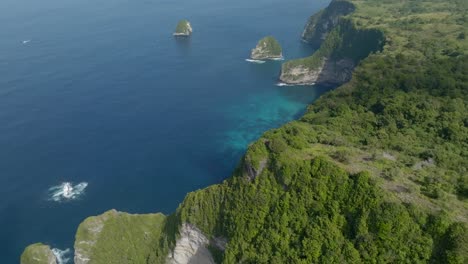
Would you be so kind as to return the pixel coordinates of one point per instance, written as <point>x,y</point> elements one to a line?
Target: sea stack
<point>267,48</point>
<point>183,29</point>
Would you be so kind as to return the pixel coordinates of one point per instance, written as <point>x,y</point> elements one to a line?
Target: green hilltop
<point>267,48</point>
<point>38,254</point>
<point>184,28</point>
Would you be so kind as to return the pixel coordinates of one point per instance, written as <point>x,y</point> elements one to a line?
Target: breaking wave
<point>61,255</point>
<point>67,191</point>
<point>255,61</point>
<point>277,59</point>
<point>284,84</point>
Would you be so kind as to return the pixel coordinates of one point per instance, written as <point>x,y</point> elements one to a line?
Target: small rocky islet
<point>183,29</point>
<point>268,48</point>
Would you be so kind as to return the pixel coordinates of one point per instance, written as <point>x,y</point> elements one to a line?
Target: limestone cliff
<point>38,254</point>
<point>191,247</point>
<point>321,23</point>
<point>342,46</point>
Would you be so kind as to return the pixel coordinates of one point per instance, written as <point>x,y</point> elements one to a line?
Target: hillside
<point>375,171</point>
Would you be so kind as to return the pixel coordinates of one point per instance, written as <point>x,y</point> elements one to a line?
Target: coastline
<point>256,164</point>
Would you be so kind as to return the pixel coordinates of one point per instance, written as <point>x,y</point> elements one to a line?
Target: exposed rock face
<point>252,173</point>
<point>342,47</point>
<point>38,254</point>
<point>329,72</point>
<point>267,48</point>
<point>324,67</point>
<point>183,29</point>
<point>191,247</point>
<point>321,23</point>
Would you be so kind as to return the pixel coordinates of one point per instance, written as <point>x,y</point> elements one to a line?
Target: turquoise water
<point>98,93</point>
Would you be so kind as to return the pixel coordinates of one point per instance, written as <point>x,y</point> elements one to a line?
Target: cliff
<point>343,184</point>
<point>267,48</point>
<point>191,247</point>
<point>321,23</point>
<point>116,236</point>
<point>38,254</point>
<point>342,47</point>
<point>183,29</point>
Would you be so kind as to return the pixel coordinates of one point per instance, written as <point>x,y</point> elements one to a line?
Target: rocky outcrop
<point>321,23</point>
<point>330,72</point>
<point>267,48</point>
<point>183,29</point>
<point>191,247</point>
<point>38,254</point>
<point>253,172</point>
<point>115,236</point>
<point>92,227</point>
<point>342,47</point>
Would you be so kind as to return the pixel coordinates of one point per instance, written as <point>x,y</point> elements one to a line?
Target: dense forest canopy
<point>375,171</point>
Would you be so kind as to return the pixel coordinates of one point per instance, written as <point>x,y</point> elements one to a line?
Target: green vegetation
<point>37,254</point>
<point>320,23</point>
<point>267,48</point>
<point>376,171</point>
<point>117,237</point>
<point>183,28</point>
<point>345,40</point>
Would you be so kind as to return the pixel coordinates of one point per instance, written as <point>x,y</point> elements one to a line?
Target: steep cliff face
<point>342,47</point>
<point>38,254</point>
<point>328,72</point>
<point>191,247</point>
<point>321,23</point>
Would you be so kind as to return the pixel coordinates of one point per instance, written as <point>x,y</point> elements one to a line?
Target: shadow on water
<point>184,44</point>
<point>305,49</point>
<point>305,94</point>
<point>268,70</point>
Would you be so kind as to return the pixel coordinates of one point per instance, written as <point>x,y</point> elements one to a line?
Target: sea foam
<point>67,191</point>
<point>284,84</point>
<point>277,59</point>
<point>255,61</point>
<point>61,255</point>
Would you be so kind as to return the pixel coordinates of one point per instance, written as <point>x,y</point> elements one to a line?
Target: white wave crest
<point>66,191</point>
<point>26,41</point>
<point>61,255</point>
<point>284,84</point>
<point>255,61</point>
<point>278,59</point>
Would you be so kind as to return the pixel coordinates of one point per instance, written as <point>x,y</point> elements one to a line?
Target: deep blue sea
<point>99,91</point>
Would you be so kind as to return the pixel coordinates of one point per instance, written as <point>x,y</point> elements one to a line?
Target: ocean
<point>99,93</point>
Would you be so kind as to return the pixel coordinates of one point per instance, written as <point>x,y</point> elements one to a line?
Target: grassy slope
<point>183,27</point>
<point>272,46</point>
<point>125,238</point>
<point>37,254</point>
